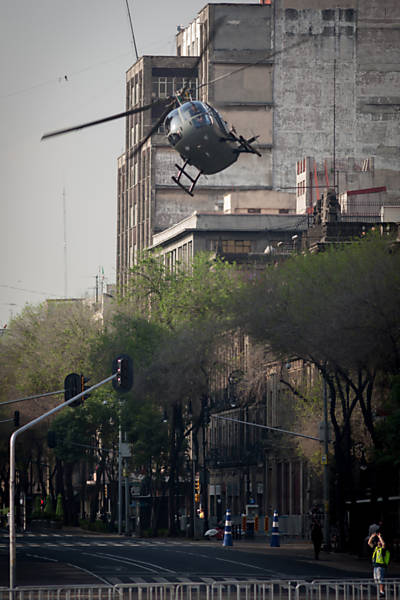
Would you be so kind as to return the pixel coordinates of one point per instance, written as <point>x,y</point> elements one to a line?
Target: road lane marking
<point>235,562</point>
<point>42,557</point>
<point>137,563</point>
<point>88,572</point>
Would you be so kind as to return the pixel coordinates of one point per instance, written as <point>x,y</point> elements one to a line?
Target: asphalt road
<point>75,558</point>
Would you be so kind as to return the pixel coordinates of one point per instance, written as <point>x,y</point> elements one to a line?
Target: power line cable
<point>12,287</point>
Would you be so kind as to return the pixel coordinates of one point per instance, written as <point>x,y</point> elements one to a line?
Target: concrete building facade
<point>310,77</point>
<point>336,94</point>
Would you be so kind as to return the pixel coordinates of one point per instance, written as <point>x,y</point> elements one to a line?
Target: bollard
<point>228,529</point>
<point>275,537</point>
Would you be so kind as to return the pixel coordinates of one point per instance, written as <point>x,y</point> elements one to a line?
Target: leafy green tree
<point>87,435</point>
<point>42,344</point>
<point>185,311</point>
<point>48,510</point>
<point>59,508</point>
<point>339,311</point>
<point>182,295</point>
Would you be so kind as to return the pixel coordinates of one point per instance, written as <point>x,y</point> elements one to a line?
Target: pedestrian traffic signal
<point>123,369</point>
<point>16,418</point>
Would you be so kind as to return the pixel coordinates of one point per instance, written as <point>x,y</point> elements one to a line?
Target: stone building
<point>310,78</point>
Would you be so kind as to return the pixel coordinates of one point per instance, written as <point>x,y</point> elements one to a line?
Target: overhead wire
<point>258,62</point>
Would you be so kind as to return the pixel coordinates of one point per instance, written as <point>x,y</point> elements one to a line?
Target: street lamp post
<point>13,440</point>
<point>204,496</point>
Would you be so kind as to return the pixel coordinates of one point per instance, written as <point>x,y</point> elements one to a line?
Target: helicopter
<point>193,128</point>
<point>196,131</point>
<point>200,135</point>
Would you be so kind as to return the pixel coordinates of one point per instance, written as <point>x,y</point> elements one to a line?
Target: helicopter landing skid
<point>181,171</point>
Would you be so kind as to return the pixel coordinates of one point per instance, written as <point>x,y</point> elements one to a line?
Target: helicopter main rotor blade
<point>132,111</point>
<point>157,124</point>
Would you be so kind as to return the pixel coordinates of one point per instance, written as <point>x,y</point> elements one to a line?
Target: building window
<point>231,246</point>
<point>164,87</point>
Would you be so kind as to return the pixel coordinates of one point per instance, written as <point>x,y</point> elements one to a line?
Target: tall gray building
<point>311,77</point>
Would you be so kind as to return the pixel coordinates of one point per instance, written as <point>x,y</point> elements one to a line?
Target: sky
<point>62,63</point>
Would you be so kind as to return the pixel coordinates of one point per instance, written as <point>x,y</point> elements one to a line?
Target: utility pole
<point>326,468</point>
<point>120,475</point>
<point>64,196</point>
<point>204,486</point>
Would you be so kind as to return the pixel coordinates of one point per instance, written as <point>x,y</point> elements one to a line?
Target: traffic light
<point>197,484</point>
<point>74,384</point>
<point>84,387</point>
<point>51,439</point>
<point>123,368</point>
<point>72,387</point>
<point>16,418</point>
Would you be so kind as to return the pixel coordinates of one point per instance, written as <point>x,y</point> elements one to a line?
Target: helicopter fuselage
<point>200,135</point>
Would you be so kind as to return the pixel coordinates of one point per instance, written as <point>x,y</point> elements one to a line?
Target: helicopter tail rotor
<point>245,146</point>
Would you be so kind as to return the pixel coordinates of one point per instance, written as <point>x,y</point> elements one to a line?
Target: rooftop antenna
<point>133,35</point>
<point>334,124</point>
<point>64,199</point>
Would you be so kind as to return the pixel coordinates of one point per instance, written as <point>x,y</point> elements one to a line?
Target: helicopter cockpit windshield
<point>197,113</point>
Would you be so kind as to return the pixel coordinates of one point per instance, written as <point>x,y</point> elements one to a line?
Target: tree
<point>28,353</point>
<point>339,311</point>
<point>41,346</point>
<point>186,309</point>
<point>182,294</point>
<point>87,437</point>
<point>175,382</point>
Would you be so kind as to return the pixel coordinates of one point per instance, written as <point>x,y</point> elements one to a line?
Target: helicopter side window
<point>173,127</point>
<point>173,122</point>
<point>174,138</point>
<point>218,119</point>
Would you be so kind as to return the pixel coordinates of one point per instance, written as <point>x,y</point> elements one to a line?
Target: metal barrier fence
<point>358,589</point>
<point>56,592</point>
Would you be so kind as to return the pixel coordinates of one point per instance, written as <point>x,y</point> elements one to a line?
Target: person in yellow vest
<point>380,560</point>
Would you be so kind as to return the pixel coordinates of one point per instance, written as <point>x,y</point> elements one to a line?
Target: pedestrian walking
<point>380,560</point>
<point>316,537</point>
